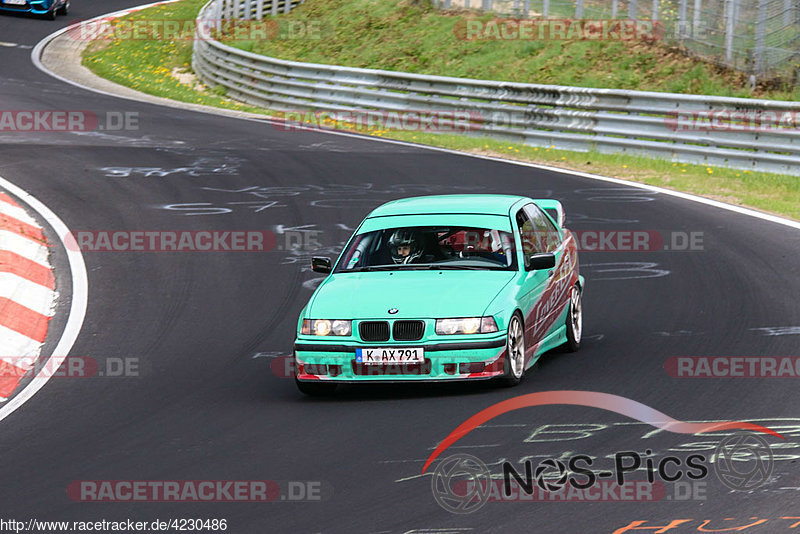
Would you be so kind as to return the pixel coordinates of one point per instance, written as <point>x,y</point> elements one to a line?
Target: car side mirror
<point>545,260</point>
<point>321,265</point>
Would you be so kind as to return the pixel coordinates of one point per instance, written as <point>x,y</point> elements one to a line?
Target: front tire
<point>316,389</point>
<point>574,320</point>
<point>64,9</point>
<point>53,13</point>
<point>514,364</point>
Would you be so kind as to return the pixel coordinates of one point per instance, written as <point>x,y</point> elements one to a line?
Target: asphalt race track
<point>206,327</point>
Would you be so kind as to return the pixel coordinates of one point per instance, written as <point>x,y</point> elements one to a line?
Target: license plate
<point>15,2</point>
<point>390,355</point>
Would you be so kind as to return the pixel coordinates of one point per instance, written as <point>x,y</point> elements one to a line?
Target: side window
<point>546,232</point>
<point>527,234</point>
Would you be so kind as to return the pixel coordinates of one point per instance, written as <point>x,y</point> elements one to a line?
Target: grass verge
<point>413,36</point>
<point>157,67</point>
<point>154,66</point>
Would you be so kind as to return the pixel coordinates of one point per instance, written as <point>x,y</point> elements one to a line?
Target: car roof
<point>446,204</point>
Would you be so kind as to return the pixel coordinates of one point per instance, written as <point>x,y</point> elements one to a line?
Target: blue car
<point>49,8</point>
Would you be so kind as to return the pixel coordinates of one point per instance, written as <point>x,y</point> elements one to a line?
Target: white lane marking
<point>77,311</point>
<point>16,212</point>
<point>36,58</point>
<point>26,293</point>
<point>22,246</point>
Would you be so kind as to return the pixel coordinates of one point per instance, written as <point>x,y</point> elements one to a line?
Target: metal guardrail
<point>250,9</point>
<point>605,120</point>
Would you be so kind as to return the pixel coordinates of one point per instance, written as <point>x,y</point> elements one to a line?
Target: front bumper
<point>35,7</point>
<point>459,360</point>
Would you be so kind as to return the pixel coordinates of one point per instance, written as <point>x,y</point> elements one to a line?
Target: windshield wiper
<point>388,267</point>
<point>465,267</point>
<point>428,266</point>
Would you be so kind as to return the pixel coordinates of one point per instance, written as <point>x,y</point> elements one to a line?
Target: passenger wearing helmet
<point>405,246</point>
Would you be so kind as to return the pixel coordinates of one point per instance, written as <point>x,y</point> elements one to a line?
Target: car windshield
<point>430,247</point>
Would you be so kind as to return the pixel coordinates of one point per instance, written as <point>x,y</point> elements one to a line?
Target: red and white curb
<point>78,299</point>
<point>27,293</point>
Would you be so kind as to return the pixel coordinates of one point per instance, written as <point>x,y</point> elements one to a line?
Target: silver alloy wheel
<point>576,316</point>
<point>516,347</point>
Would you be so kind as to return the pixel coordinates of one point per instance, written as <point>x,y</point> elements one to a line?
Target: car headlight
<point>466,325</point>
<point>326,327</point>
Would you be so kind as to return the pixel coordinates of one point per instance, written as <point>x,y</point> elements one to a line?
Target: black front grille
<point>316,369</point>
<point>374,330</point>
<point>408,330</point>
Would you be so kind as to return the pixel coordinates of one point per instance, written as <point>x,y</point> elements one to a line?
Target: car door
<point>534,282</point>
<point>552,302</point>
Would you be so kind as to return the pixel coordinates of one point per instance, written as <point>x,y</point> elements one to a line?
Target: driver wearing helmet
<point>405,246</point>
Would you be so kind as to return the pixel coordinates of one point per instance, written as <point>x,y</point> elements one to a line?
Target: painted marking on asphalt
<point>35,297</point>
<point>23,320</point>
<point>271,354</point>
<point>574,219</point>
<point>22,228</point>
<point>22,246</point>
<point>8,200</point>
<point>778,330</point>
<point>6,44</point>
<point>15,344</point>
<point>677,333</point>
<point>615,194</point>
<point>10,208</point>
<point>637,270</point>
<point>10,376</point>
<point>26,293</point>
<point>35,272</point>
